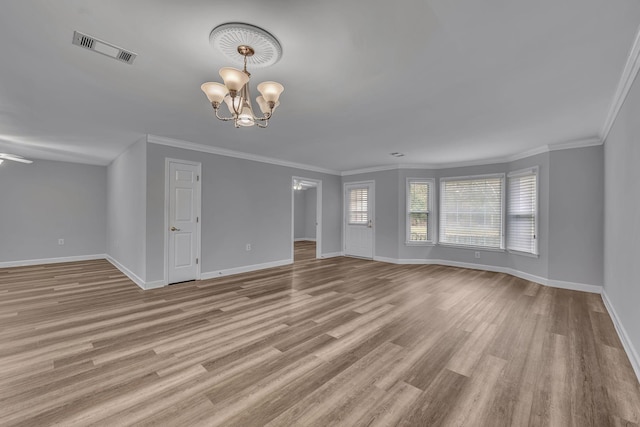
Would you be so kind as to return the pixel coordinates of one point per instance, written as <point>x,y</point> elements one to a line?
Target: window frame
<point>503,180</point>
<point>534,170</point>
<point>431,213</point>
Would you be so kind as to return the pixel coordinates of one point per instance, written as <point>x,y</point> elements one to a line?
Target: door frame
<point>345,207</point>
<point>318,215</point>
<point>167,207</point>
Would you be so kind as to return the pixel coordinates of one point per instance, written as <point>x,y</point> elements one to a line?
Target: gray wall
<point>300,214</point>
<point>310,211</point>
<point>242,202</point>
<point>127,182</point>
<point>622,217</point>
<point>576,215</point>
<point>46,201</point>
<point>571,252</point>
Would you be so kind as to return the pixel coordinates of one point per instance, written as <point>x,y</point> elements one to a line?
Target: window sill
<point>419,244</point>
<point>527,254</point>
<point>471,248</point>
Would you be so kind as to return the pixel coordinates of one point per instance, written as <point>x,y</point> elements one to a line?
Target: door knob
<point>174,229</point>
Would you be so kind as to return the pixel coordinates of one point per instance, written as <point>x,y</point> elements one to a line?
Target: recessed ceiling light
<point>397,154</point>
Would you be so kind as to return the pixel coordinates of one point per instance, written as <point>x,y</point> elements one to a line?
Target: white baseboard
<point>304,239</point>
<point>632,354</point>
<point>130,274</point>
<point>331,254</point>
<point>594,289</point>
<point>244,269</point>
<point>155,284</point>
<point>517,273</point>
<point>28,262</point>
<point>402,261</point>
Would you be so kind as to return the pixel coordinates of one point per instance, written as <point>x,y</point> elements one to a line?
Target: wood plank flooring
<point>322,342</point>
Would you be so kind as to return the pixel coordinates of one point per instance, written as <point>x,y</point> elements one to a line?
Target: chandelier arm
<point>233,104</point>
<point>224,119</point>
<point>265,117</point>
<point>262,126</point>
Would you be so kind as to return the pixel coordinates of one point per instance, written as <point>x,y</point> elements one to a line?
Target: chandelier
<point>244,43</point>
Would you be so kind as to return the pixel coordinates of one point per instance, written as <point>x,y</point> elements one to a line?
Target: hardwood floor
<point>322,342</point>
<point>304,250</point>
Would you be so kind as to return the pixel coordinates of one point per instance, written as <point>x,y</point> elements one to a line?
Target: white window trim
<point>432,222</point>
<point>503,189</point>
<point>522,172</point>
<point>471,247</point>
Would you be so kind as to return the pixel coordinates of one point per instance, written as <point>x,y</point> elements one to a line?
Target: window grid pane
<point>418,211</point>
<point>418,227</point>
<point>471,212</point>
<point>521,211</point>
<point>358,206</point>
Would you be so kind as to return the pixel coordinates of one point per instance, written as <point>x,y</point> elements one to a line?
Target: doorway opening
<point>306,217</point>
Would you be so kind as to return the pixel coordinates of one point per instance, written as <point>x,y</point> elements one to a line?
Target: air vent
<point>107,49</point>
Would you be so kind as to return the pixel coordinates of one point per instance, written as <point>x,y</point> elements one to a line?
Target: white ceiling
<point>440,80</point>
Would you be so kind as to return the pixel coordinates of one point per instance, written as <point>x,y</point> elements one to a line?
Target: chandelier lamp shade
<point>245,43</point>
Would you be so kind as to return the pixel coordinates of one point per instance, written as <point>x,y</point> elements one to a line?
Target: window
<point>522,211</point>
<point>471,211</point>
<point>419,215</point>
<point>358,206</point>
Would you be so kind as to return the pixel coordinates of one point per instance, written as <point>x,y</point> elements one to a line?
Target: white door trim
<point>318,214</point>
<point>372,197</point>
<point>167,184</point>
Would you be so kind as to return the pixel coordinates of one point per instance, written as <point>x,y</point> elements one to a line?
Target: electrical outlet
<point>248,247</point>
<point>477,254</point>
<point>61,242</point>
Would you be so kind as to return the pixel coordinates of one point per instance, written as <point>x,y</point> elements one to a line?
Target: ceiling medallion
<point>244,44</point>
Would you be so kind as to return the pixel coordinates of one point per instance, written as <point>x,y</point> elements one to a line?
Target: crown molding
<point>369,170</point>
<point>392,167</point>
<point>186,145</point>
<point>580,143</point>
<point>627,78</point>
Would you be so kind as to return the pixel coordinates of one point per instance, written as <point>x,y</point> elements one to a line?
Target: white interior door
<point>359,226</point>
<point>183,218</point>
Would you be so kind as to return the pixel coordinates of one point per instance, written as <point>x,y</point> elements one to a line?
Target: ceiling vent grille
<point>99,46</point>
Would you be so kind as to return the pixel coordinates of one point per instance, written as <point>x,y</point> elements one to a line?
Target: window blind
<point>358,206</point>
<point>418,211</point>
<point>522,208</point>
<point>471,211</point>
